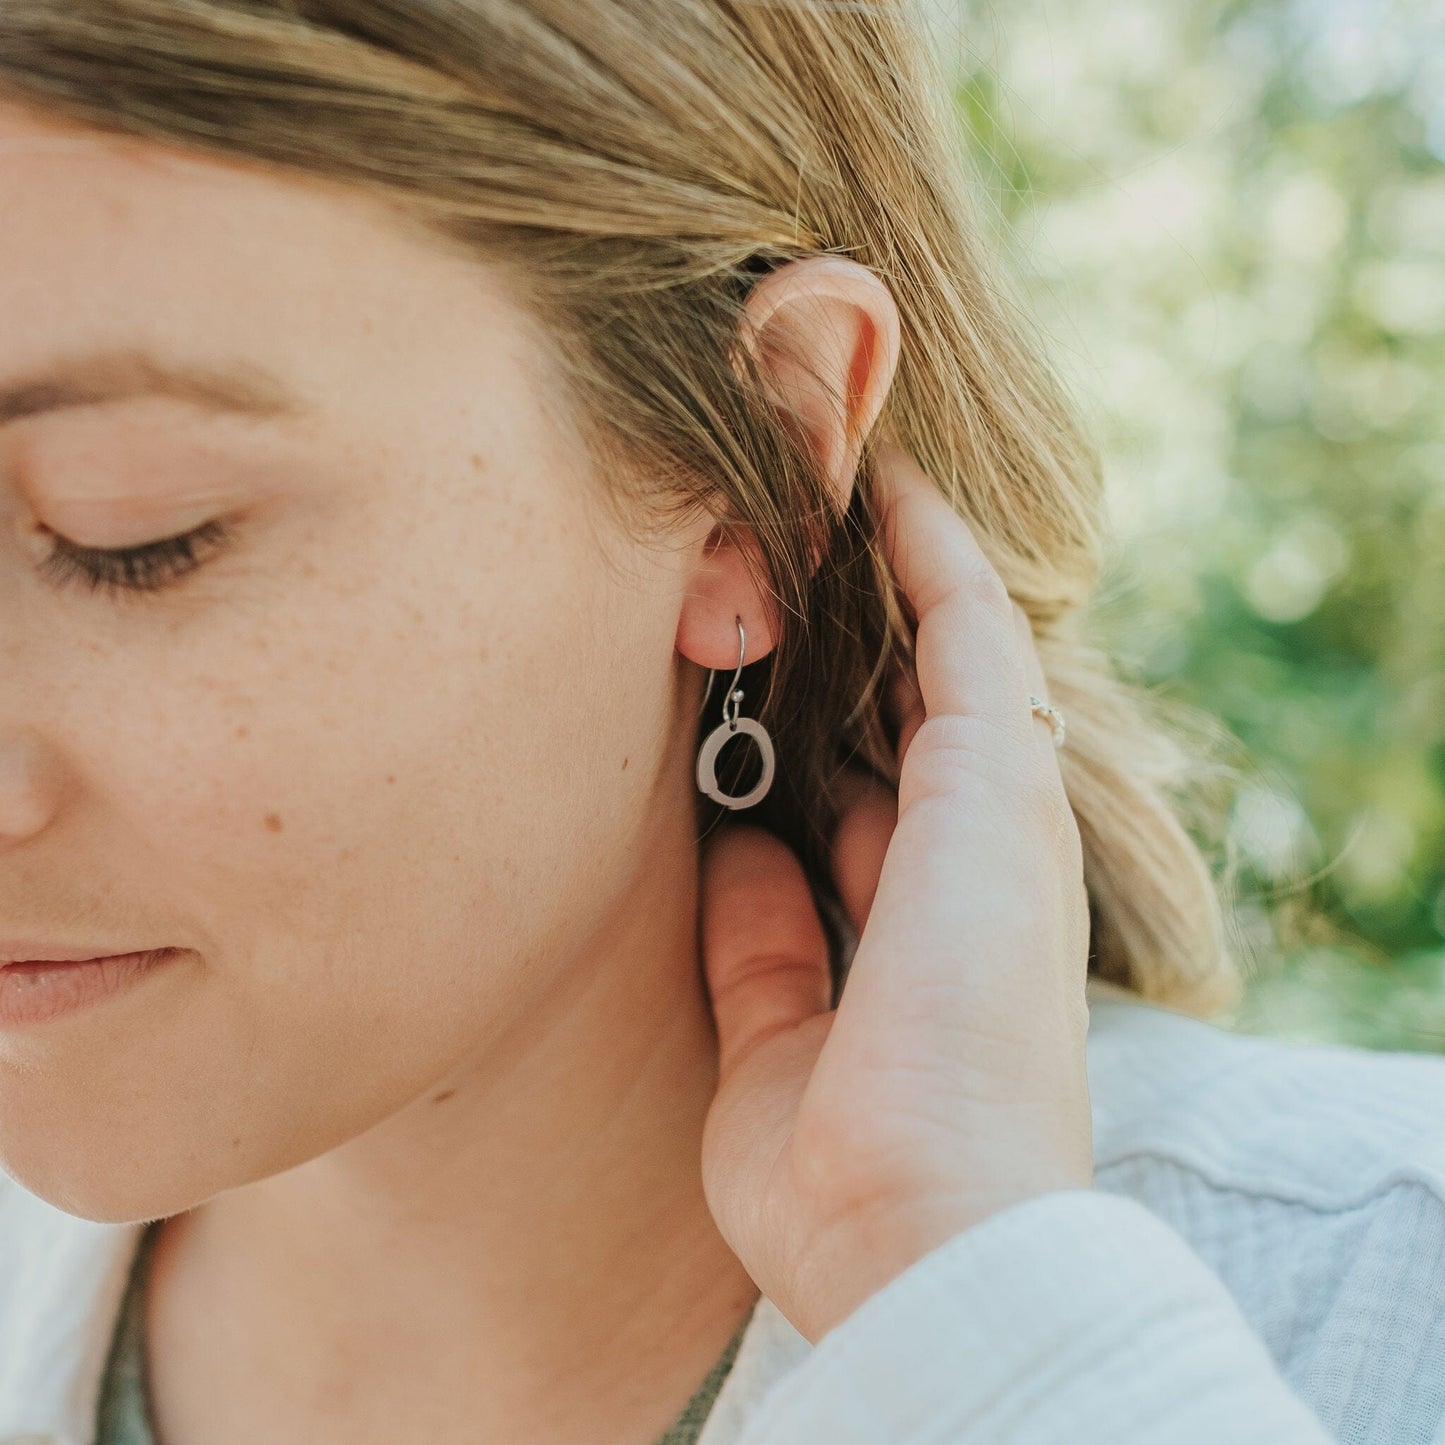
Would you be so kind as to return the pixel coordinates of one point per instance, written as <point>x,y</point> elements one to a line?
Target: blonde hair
<point>637,164</point>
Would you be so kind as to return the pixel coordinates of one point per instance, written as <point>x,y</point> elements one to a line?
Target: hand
<point>949,1083</point>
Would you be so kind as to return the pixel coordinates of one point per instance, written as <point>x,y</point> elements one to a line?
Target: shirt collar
<point>62,1282</point>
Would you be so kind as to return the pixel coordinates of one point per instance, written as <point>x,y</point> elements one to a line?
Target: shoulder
<point>1310,1178</point>
<point>1326,1125</point>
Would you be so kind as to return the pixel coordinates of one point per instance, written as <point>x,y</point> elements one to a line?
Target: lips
<point>37,965</point>
<point>30,964</point>
<point>34,991</point>
<point>35,951</point>
<point>63,960</point>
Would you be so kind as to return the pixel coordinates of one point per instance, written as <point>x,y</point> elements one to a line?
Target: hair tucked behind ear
<point>637,164</point>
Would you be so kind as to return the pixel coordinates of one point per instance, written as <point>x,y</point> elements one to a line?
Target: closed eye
<point>145,568</point>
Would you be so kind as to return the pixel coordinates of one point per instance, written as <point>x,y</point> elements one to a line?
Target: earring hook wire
<point>732,704</point>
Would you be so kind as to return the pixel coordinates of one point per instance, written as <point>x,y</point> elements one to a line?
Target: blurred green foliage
<point>1230,221</point>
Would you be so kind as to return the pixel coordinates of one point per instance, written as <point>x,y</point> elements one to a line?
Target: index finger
<point>966,655</point>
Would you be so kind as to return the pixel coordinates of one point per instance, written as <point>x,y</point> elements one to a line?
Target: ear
<point>824,333</point>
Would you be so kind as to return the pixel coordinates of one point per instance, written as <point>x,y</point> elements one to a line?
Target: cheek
<point>383,819</point>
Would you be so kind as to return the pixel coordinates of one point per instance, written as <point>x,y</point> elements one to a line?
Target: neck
<point>524,1252</point>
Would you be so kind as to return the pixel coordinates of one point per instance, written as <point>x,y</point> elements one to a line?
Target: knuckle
<point>965,735</point>
<point>950,751</point>
<point>971,582</point>
<point>986,589</point>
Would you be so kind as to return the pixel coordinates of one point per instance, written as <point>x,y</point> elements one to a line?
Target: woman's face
<point>381,764</point>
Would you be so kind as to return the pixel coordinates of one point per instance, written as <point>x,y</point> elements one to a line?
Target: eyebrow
<point>245,388</point>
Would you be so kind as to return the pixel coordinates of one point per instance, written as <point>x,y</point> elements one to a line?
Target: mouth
<point>36,990</point>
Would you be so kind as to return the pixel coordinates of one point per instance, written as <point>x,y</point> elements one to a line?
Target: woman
<point>408,412</point>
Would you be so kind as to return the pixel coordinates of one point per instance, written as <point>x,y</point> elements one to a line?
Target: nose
<point>29,786</point>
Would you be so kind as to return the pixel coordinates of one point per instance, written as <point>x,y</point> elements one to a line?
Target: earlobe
<point>723,589</point>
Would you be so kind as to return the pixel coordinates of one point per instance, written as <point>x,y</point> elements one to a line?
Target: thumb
<point>765,955</point>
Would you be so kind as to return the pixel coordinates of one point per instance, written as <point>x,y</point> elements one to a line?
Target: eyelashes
<point>147,568</point>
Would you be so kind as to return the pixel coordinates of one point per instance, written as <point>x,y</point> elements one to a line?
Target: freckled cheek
<point>260,837</point>
<point>285,784</point>
<point>201,771</point>
<point>218,802</point>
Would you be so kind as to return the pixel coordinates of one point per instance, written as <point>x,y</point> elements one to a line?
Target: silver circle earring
<point>730,725</point>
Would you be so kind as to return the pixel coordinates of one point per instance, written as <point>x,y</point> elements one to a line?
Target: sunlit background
<point>1230,218</point>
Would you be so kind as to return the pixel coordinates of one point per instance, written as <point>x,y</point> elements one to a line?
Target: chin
<point>104,1186</point>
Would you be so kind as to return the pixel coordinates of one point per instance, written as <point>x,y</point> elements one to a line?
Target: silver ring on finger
<point>1050,715</point>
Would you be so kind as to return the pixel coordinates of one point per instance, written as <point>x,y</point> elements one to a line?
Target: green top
<point>124,1415</point>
